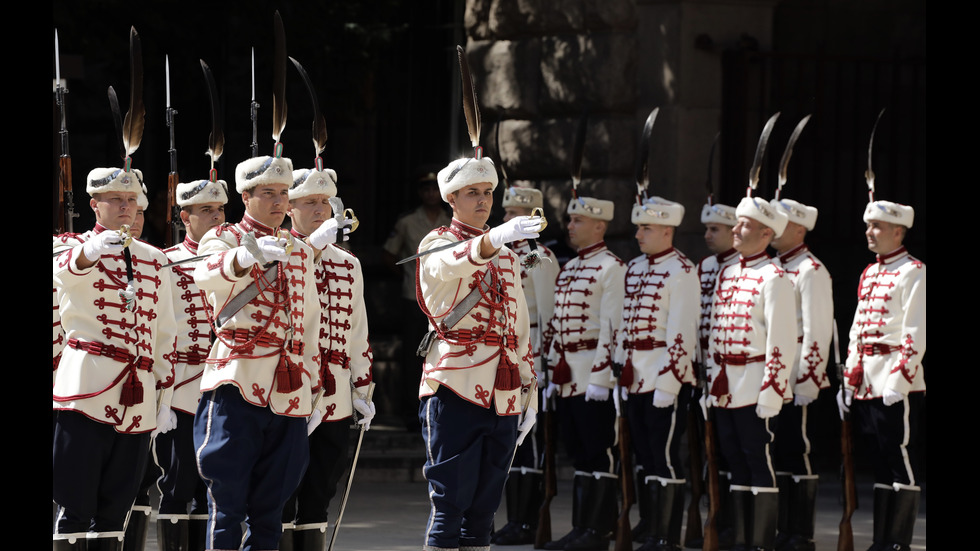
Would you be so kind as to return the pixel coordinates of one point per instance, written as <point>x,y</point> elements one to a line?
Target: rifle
<point>173,211</point>
<point>711,466</point>
<point>624,534</point>
<point>543,533</point>
<point>845,538</point>
<point>65,211</point>
<point>693,531</point>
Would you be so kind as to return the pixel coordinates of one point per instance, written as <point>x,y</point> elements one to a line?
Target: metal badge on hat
<point>760,152</point>
<point>784,163</point>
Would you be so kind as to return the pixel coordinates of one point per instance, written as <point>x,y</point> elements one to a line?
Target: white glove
<point>366,409</point>
<point>166,419</point>
<point>104,242</point>
<point>890,397</point>
<point>624,393</point>
<point>530,416</point>
<point>765,412</point>
<point>801,400</point>
<point>663,399</point>
<point>314,421</point>
<point>327,232</point>
<point>596,393</point>
<point>515,229</point>
<point>843,399</point>
<point>552,390</point>
<point>272,247</point>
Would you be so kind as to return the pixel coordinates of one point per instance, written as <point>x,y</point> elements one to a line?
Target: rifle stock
<point>543,533</point>
<point>624,539</point>
<point>173,211</point>
<point>845,538</point>
<point>714,494</point>
<point>66,209</point>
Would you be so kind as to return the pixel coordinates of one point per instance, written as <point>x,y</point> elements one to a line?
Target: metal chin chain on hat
<point>130,133</point>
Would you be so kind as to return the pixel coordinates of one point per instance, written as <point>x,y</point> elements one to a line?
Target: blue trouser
<point>791,450</point>
<point>892,434</point>
<point>745,440</point>
<point>469,450</point>
<point>656,433</point>
<point>96,473</point>
<point>588,432</point>
<point>329,445</point>
<point>180,483</point>
<point>251,460</point>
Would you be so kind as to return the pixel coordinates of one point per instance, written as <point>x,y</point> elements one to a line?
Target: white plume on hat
<point>600,209</point>
<point>657,210</point>
<point>716,213</point>
<point>887,211</point>
<point>263,170</point>
<point>523,197</point>
<point>797,212</point>
<point>102,180</point>
<point>313,182</point>
<point>466,172</point>
<point>199,192</point>
<point>761,211</point>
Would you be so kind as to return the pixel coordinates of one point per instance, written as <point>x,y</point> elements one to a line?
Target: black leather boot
<point>312,539</point>
<point>762,514</point>
<point>172,533</point>
<point>197,526</point>
<point>599,513</point>
<point>107,543</point>
<point>738,503</point>
<point>641,531</point>
<point>512,493</point>
<point>286,539</point>
<point>522,508</point>
<point>904,507</point>
<point>578,508</point>
<point>667,501</point>
<point>74,542</point>
<point>882,504</point>
<point>784,482</point>
<point>136,529</point>
<point>803,510</point>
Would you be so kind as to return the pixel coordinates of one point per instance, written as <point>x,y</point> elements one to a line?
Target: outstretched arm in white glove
<point>327,233</point>
<point>272,247</point>
<point>515,229</point>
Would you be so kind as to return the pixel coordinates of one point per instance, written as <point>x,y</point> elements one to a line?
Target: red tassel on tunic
<point>288,376</point>
<point>132,390</point>
<point>508,375</point>
<point>561,373</point>
<point>626,377</point>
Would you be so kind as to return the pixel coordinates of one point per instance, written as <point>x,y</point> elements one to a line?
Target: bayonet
<point>869,175</point>
<point>255,113</point>
<point>173,210</point>
<point>65,214</point>
<point>760,152</point>
<point>788,152</point>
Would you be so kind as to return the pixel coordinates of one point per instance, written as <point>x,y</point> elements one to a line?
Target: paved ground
<point>391,516</point>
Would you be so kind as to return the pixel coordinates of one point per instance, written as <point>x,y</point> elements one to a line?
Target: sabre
<point>353,465</point>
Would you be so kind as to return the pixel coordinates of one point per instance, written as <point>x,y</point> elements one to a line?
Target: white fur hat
<point>718,214</point>
<point>657,210</point>
<point>523,197</point>
<point>761,211</point>
<point>141,200</point>
<point>886,211</point>
<point>263,170</point>
<point>600,209</point>
<point>797,212</point>
<point>313,182</point>
<point>102,180</point>
<point>466,172</point>
<point>199,192</point>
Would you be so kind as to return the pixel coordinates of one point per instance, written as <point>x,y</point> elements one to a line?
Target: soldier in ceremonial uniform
<point>885,382</point>
<point>345,358</point>
<point>202,207</point>
<point>655,347</point>
<point>524,491</point>
<point>718,220</point>
<point>259,378</point>
<point>588,312</point>
<point>478,391</point>
<point>813,288</point>
<point>117,315</point>
<point>752,345</point>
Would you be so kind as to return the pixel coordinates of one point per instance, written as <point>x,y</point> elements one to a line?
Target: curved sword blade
<point>760,152</point>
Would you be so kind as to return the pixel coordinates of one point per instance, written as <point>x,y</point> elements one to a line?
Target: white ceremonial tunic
<point>345,353</point>
<point>61,242</point>
<point>279,327</point>
<point>657,338</point>
<point>888,335</point>
<point>753,334</point>
<point>493,336</point>
<point>115,358</point>
<point>193,328</point>
<point>588,312</point>
<point>814,319</point>
<point>708,270</point>
<point>539,292</point>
